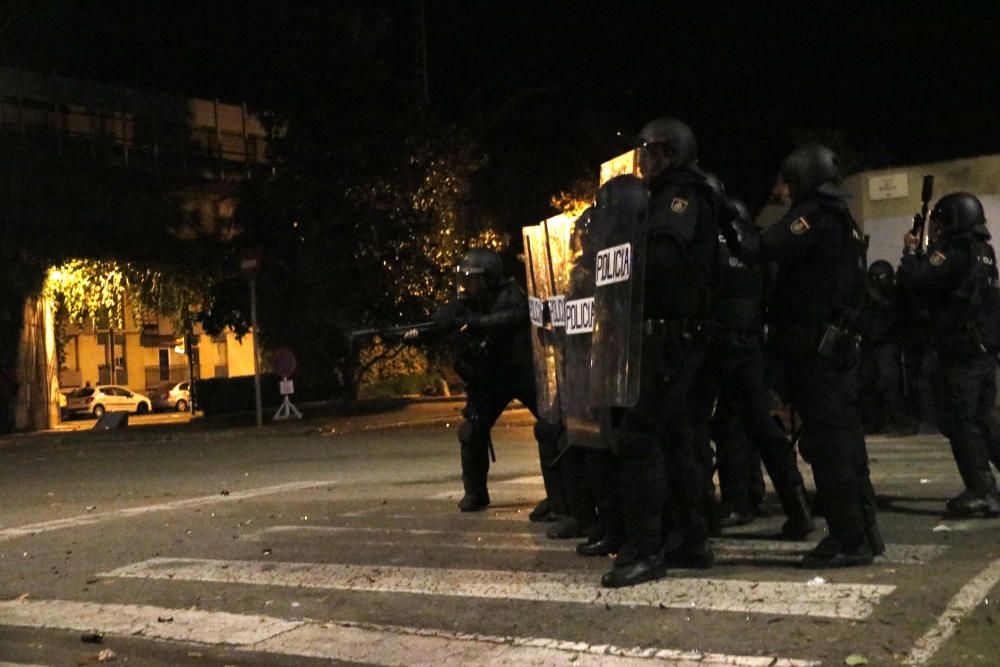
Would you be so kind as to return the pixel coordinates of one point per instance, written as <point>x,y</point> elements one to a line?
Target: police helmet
<point>881,273</point>
<point>811,168</point>
<point>676,138</point>
<point>479,271</point>
<point>958,213</point>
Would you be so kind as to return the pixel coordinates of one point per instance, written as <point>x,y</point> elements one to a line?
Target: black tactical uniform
<point>957,278</point>
<point>655,438</point>
<point>818,287</point>
<point>734,372</point>
<point>882,406</point>
<point>490,324</point>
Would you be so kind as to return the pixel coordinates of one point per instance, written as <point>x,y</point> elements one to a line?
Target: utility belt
<point>695,331</point>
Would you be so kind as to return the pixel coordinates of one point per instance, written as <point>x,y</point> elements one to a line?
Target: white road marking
<point>353,642</point>
<point>393,645</point>
<point>503,496</point>
<point>127,620</point>
<point>97,517</point>
<point>897,554</point>
<point>725,548</point>
<point>535,480</point>
<point>965,601</point>
<point>18,664</point>
<point>848,601</point>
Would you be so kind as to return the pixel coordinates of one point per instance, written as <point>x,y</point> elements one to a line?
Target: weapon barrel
<point>394,331</point>
<point>926,194</point>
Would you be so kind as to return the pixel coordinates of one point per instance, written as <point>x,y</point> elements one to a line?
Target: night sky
<point>554,88</point>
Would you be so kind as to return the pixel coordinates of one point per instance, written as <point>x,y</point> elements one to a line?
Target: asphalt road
<point>340,543</point>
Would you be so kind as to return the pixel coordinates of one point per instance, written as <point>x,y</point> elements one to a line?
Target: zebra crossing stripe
<point>408,646</point>
<point>829,600</point>
<point>126,620</point>
<point>8,534</point>
<point>725,548</point>
<point>965,601</point>
<point>352,642</point>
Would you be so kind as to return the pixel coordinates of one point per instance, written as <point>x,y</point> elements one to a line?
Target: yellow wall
<point>240,354</point>
<point>84,356</point>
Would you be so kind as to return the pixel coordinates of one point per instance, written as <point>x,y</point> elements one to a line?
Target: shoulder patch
<point>678,205</point>
<point>937,258</point>
<point>800,226</point>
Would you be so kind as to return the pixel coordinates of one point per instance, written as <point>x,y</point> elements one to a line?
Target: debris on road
<point>92,637</point>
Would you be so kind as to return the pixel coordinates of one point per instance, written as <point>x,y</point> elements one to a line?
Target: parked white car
<point>106,398</point>
<point>172,396</point>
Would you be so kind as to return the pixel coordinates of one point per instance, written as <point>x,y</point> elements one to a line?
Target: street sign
<point>250,262</point>
<point>283,362</point>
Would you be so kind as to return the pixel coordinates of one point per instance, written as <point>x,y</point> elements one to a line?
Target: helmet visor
<point>470,282</point>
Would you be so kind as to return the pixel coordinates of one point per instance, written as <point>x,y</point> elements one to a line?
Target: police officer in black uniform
<point>883,408</point>
<point>818,287</point>
<point>489,322</point>
<point>735,368</point>
<point>655,439</point>
<point>957,279</point>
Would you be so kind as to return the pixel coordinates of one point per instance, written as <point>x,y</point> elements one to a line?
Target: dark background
<point>551,89</point>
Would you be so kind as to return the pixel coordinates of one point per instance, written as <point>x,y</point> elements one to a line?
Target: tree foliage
<point>367,210</point>
<point>102,290</point>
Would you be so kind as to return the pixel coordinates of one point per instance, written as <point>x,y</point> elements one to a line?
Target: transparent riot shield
<point>556,232</point>
<point>543,349</point>
<point>619,236</point>
<point>582,427</point>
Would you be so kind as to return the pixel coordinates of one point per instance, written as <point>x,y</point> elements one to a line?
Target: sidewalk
<point>324,418</point>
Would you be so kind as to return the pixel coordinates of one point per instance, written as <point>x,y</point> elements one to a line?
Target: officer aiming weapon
<point>921,230</point>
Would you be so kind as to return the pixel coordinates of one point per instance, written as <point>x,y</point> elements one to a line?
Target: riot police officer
<point>957,278</point>
<point>655,440</point>
<point>735,374</point>
<point>818,287</point>
<point>489,322</point>
<point>882,407</point>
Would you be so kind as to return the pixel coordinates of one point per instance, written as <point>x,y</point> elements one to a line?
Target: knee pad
<point>472,432</point>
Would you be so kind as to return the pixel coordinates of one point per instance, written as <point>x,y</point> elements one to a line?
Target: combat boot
<point>542,512</point>
<point>637,570</point>
<point>735,514</point>
<point>968,503</point>
<point>830,553</point>
<point>474,502</point>
<point>604,546</point>
<point>799,521</point>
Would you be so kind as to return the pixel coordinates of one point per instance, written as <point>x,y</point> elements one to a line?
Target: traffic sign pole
<point>256,352</point>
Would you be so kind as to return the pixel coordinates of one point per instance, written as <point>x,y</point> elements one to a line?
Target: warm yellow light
<point>626,163</point>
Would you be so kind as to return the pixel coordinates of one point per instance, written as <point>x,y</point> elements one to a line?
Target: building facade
<point>205,147</point>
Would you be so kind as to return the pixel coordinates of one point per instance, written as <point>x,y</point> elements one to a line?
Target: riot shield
<point>619,237</point>
<point>540,290</point>
<point>582,427</point>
